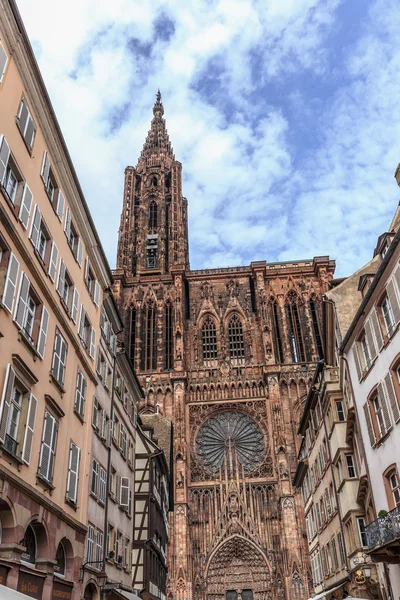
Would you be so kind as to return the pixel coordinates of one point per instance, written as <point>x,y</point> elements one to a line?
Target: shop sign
<point>30,585</point>
<point>61,591</point>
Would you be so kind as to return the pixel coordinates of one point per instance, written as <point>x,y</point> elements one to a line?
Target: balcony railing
<point>384,530</point>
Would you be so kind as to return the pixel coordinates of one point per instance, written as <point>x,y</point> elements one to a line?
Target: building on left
<point>67,431</point>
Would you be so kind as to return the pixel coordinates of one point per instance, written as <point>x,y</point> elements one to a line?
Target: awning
<point>128,595</point>
<point>7,593</point>
<point>326,592</point>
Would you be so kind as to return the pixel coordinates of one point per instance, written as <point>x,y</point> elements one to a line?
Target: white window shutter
<point>125,489</point>
<point>29,429</point>
<point>87,267</point>
<point>357,360</point>
<point>391,292</point>
<point>67,224</point>
<point>81,321</point>
<point>75,303</point>
<point>391,394</point>
<point>61,277</point>
<point>92,349</point>
<point>73,471</point>
<point>6,401</point>
<point>385,408</point>
<point>26,205</point>
<point>60,205</point>
<point>79,252</point>
<point>35,227</point>
<point>47,449</point>
<point>3,62</point>
<point>11,283</point>
<point>23,115</point>
<point>377,329</point>
<point>44,323</point>
<point>4,156</point>
<point>370,338</point>
<point>370,428</point>
<point>53,261</point>
<point>45,168</point>
<point>22,299</point>
<point>96,295</point>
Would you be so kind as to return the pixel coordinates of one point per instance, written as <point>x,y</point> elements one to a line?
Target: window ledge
<point>57,384</point>
<point>22,337</point>
<point>71,503</point>
<point>79,416</point>
<point>47,484</point>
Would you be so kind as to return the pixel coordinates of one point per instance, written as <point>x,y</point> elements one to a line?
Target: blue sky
<point>284,114</point>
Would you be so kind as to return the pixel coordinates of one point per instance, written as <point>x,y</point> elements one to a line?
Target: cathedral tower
<point>227,355</point>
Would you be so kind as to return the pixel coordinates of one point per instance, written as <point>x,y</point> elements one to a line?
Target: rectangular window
<point>387,314</point>
<point>53,192</point>
<point>361,531</point>
<point>74,241</point>
<point>351,470</point>
<point>68,293</point>
<point>26,124</point>
<point>31,316</point>
<point>95,478</point>
<point>73,473</point>
<point>99,548</point>
<point>48,448</point>
<point>102,486</point>
<point>59,358</point>
<point>80,393</point>
<point>341,549</point>
<point>92,285</point>
<point>40,238</point>
<point>340,411</point>
<point>87,333</point>
<point>96,414</point>
<point>90,544</point>
<point>3,62</point>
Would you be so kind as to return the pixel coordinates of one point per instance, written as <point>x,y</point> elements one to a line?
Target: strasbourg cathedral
<point>227,355</point>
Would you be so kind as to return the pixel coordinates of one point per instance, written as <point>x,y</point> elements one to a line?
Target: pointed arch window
<point>209,340</point>
<point>294,328</point>
<point>149,337</point>
<point>276,331</point>
<point>132,334</point>
<point>314,318</point>
<point>169,342</point>
<point>235,334</point>
<point>152,215</point>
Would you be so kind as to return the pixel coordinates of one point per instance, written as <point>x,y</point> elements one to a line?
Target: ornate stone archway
<point>238,564</point>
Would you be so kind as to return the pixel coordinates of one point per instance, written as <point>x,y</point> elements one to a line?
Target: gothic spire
<point>157,142</point>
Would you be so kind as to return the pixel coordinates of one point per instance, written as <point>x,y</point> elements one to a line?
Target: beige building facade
<point>52,273</point>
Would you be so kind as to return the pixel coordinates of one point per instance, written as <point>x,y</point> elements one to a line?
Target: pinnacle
<point>157,142</point>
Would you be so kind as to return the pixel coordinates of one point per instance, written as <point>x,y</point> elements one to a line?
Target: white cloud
<point>229,73</point>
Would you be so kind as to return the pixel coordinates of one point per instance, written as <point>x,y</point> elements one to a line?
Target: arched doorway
<point>238,570</point>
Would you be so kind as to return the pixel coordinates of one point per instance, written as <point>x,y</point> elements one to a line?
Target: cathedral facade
<point>227,355</point>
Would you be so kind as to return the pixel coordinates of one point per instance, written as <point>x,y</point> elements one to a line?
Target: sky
<point>283,113</point>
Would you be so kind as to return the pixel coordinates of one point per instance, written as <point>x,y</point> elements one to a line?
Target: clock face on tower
<point>230,438</point>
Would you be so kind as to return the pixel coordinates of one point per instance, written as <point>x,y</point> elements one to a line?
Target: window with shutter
<point>29,430</point>
<point>96,296</point>
<point>4,157</point>
<point>80,393</point>
<point>393,299</point>
<point>59,358</point>
<point>73,473</point>
<point>53,262</point>
<point>26,124</point>
<point>22,302</point>
<point>377,329</point>
<point>125,489</point>
<point>48,447</point>
<point>44,323</point>
<point>75,304</point>
<point>92,349</point>
<point>3,62</point>
<point>370,339</point>
<point>60,205</point>
<point>392,396</point>
<point>385,409</point>
<point>90,544</point>
<point>11,283</point>
<point>6,401</point>
<point>103,483</point>
<point>26,205</point>
<point>94,484</point>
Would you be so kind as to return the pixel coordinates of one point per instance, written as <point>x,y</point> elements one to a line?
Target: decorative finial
<point>158,108</point>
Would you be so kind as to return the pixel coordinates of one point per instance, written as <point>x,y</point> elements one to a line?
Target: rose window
<point>230,438</point>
